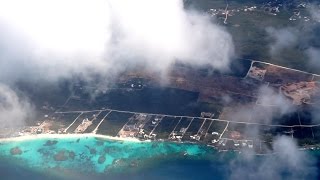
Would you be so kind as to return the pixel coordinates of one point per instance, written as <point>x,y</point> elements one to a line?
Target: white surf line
<point>62,136</point>
<point>224,130</point>
<point>65,130</point>
<point>175,127</point>
<point>96,129</point>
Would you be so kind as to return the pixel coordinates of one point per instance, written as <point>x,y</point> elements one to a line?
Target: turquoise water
<point>95,158</point>
<point>94,155</point>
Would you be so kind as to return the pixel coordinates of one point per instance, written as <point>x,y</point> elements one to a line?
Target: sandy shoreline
<point>65,136</point>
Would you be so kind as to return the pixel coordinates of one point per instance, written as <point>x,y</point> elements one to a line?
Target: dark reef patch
<point>15,151</point>
<point>50,143</point>
<point>102,159</point>
<point>63,155</point>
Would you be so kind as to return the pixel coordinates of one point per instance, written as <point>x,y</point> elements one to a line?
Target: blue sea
<point>96,158</point>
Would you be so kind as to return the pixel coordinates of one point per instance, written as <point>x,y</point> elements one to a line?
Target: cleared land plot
<point>96,121</point>
<point>88,115</point>
<point>165,127</point>
<point>148,127</point>
<point>305,117</point>
<point>133,120</point>
<point>265,147</point>
<point>278,75</point>
<point>267,133</point>
<point>217,126</point>
<point>233,112</point>
<point>184,123</point>
<point>113,123</point>
<point>248,131</point>
<point>65,119</point>
<point>193,128</point>
<point>78,104</point>
<point>302,133</point>
<point>203,130</point>
<point>50,96</point>
<point>235,131</point>
<point>316,133</point>
<point>214,131</point>
<point>61,121</point>
<point>316,78</point>
<point>151,100</point>
<point>208,138</point>
<point>288,119</point>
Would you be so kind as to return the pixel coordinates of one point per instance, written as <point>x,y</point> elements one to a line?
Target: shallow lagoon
<point>94,155</point>
<point>96,158</point>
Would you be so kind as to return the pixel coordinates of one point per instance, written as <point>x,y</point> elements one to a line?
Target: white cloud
<point>52,39</point>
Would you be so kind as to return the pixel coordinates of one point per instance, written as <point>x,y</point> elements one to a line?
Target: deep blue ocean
<point>178,169</point>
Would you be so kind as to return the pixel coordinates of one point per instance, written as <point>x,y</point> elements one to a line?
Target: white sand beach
<point>59,136</point>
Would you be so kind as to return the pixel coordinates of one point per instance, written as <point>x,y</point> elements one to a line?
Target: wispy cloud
<point>270,104</point>
<point>288,163</point>
<point>282,38</point>
<point>14,110</point>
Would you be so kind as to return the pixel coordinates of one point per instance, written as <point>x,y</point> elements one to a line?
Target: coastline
<point>112,138</point>
<point>65,136</point>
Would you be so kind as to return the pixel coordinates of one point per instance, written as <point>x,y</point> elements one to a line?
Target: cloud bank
<point>49,40</point>
<point>52,39</point>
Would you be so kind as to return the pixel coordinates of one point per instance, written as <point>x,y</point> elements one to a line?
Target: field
<point>79,120</point>
<point>165,127</point>
<point>113,123</point>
